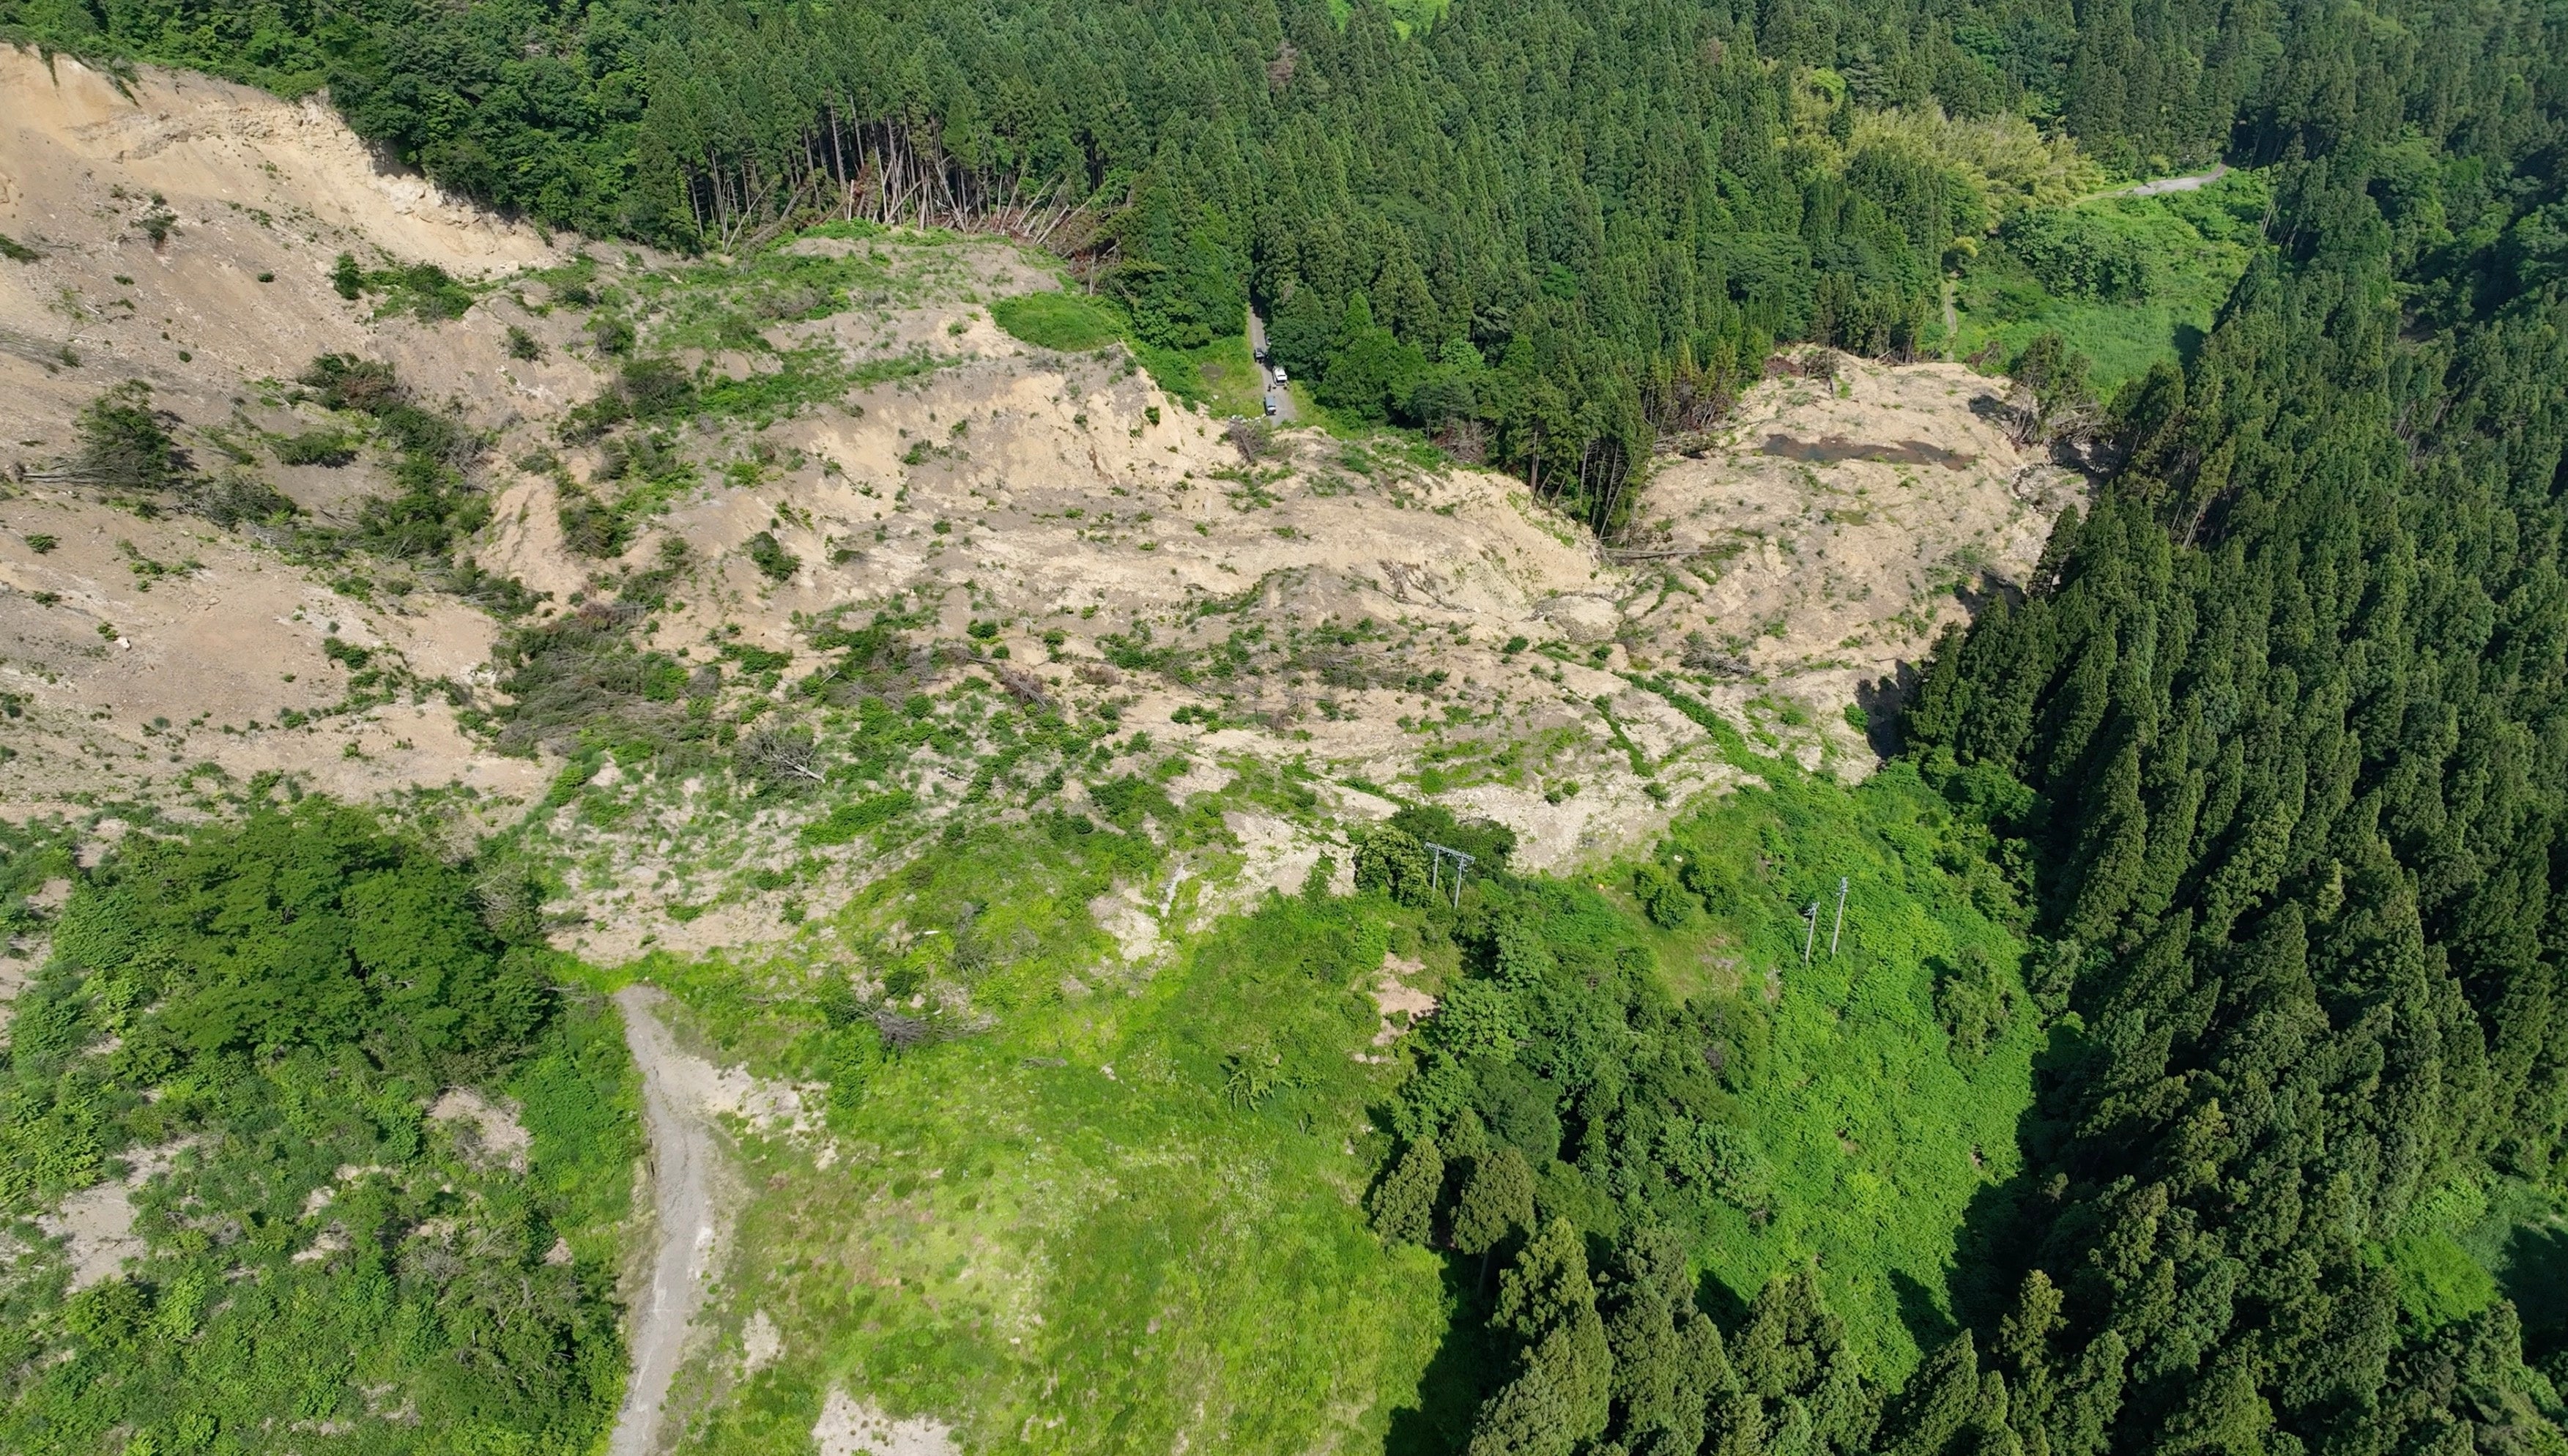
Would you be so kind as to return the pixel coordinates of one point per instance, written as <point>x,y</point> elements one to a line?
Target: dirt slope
<point>1052,523</point>
<point>686,1167</point>
<point>1349,602</point>
<point>136,648</point>
<point>1808,556</point>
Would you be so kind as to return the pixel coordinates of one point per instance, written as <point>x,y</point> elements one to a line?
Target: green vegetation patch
<point>1883,1111</point>
<point>1070,322</point>
<point>1123,1214</point>
<point>248,1028</point>
<point>2126,281</point>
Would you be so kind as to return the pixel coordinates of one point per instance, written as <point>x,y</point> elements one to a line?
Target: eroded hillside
<point>548,505</point>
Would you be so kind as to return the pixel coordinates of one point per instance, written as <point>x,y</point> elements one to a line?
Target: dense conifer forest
<point>2263,780</point>
<point>1544,233</point>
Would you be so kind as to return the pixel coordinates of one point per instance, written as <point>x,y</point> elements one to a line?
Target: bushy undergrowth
<point>2126,281</point>
<point>264,1013</point>
<point>1167,1181</point>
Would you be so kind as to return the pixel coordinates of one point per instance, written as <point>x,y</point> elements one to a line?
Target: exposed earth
<point>1799,563</point>
<point>1051,523</point>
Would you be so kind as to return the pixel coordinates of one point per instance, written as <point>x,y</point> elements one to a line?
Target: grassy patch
<point>1221,375</point>
<point>1881,1135</point>
<point>2520,1235</point>
<point>2188,249</point>
<point>1075,1229</point>
<point>1070,322</point>
<point>1086,1208</point>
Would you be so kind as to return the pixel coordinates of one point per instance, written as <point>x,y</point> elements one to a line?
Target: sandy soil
<point>139,646</point>
<point>852,1427</point>
<point>254,185</point>
<point>1830,530</point>
<point>1800,564</point>
<point>1388,618</point>
<point>130,681</point>
<point>490,1130</point>
<point>96,1223</point>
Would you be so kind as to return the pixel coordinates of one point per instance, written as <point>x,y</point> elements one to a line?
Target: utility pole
<point>1812,914</point>
<point>1436,857</point>
<point>1841,924</point>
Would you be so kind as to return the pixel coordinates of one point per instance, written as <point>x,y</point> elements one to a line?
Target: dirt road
<point>685,1162</point>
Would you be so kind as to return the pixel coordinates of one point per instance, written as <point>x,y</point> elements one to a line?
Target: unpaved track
<point>685,1161</point>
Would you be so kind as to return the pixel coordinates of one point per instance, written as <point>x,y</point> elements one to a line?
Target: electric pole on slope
<point>1840,927</point>
<point>1810,912</point>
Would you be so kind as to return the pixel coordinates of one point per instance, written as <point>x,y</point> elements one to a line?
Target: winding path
<point>685,1159</point>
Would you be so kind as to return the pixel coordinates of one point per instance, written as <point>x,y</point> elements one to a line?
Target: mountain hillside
<point>1639,728</point>
<point>849,406</point>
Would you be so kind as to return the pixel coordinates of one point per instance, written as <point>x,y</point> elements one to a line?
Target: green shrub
<point>2079,254</point>
<point>330,447</point>
<point>848,821</point>
<point>1392,862</point>
<point>347,382</point>
<point>125,442</point>
<point>1488,842</point>
<point>1975,1004</point>
<point>1663,899</point>
<point>590,526</point>
<point>776,563</point>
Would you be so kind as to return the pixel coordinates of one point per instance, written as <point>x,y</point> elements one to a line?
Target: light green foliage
<point>1216,373</point>
<point>1667,903</point>
<point>2125,281</point>
<point>2520,1236</point>
<point>1392,862</point>
<point>1221,377</point>
<point>1975,1002</point>
<point>291,994</point>
<point>1877,1139</point>
<point>2438,1281</point>
<point>1054,1226</point>
<point>1071,322</point>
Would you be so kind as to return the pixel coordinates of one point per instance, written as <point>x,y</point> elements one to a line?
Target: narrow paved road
<point>684,1162</point>
<point>1282,397</point>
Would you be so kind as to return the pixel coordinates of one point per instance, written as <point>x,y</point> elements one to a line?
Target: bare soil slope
<point>1809,554</point>
<point>134,647</point>
<point>1079,535</point>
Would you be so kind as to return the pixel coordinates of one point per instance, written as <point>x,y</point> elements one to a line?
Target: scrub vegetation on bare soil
<point>818,837</point>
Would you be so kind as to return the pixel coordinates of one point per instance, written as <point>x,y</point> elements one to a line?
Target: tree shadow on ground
<point>1464,1369</point>
<point>2535,1278</point>
<point>2002,1234</point>
<point>1921,1312</point>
